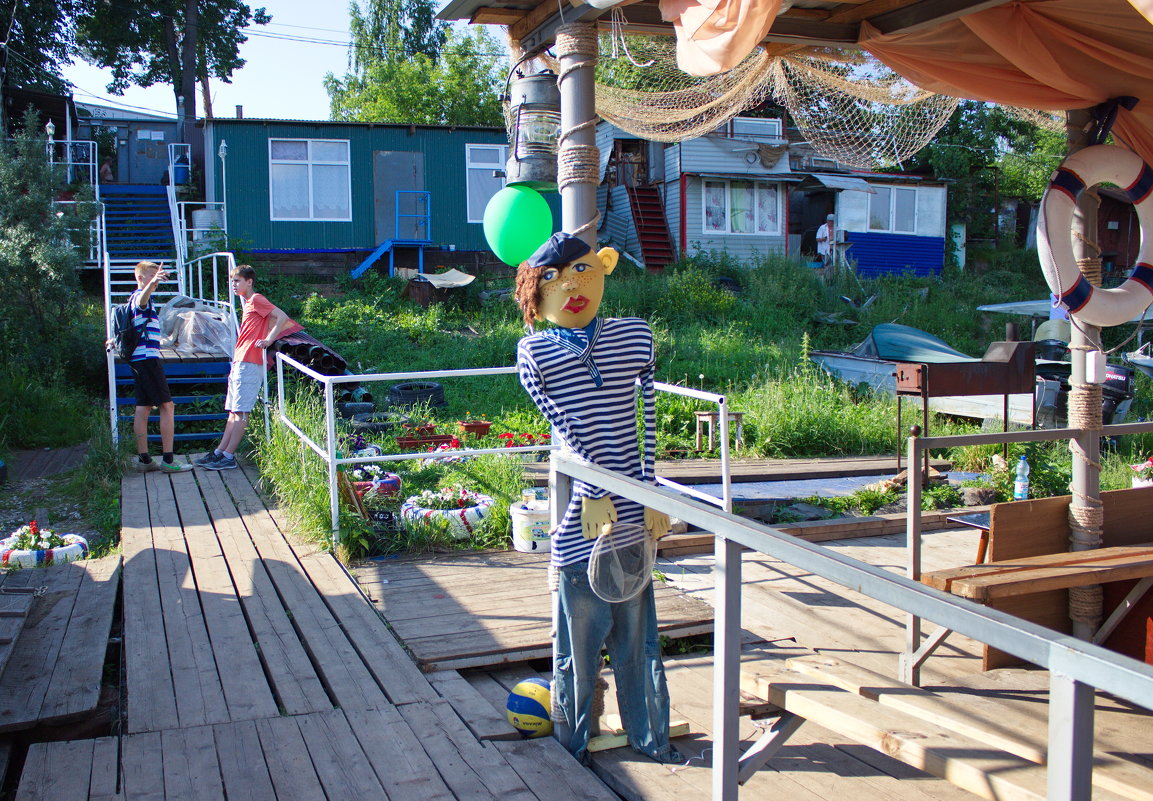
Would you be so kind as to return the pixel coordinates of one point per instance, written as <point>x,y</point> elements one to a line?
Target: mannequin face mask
<point>570,294</point>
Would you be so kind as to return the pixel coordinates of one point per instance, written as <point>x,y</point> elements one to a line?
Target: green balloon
<point>517,221</point>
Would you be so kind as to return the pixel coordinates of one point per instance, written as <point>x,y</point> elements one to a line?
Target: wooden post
<point>1085,504</point>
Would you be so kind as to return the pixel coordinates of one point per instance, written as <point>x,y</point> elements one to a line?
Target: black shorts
<point>151,384</point>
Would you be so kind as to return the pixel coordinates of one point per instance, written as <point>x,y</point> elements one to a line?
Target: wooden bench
<point>1030,570</point>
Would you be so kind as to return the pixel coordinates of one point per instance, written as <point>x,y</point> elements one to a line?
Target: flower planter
<point>478,427</point>
<point>459,522</point>
<point>76,548</point>
<point>388,487</point>
<point>423,443</point>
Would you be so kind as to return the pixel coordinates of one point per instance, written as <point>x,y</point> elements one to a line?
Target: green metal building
<point>315,187</point>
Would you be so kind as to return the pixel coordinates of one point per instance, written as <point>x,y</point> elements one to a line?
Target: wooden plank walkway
<point>45,462</point>
<point>255,668</point>
<point>54,669</point>
<point>469,610</point>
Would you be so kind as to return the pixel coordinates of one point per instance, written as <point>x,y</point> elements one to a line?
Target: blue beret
<point>561,248</point>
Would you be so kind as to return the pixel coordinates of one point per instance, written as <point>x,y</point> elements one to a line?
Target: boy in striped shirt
<point>582,375</point>
<point>150,383</point>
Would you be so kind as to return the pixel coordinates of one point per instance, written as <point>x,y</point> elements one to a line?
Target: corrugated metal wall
<point>442,149</point>
<point>878,254</point>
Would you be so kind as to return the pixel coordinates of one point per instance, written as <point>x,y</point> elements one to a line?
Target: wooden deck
<point>469,610</point>
<point>255,668</point>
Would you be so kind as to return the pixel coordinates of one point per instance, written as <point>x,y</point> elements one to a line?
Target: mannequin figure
<point>582,376</point>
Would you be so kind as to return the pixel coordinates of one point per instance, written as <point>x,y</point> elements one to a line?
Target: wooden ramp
<point>56,620</point>
<point>467,610</point>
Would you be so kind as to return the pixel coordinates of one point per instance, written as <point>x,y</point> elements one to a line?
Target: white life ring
<point>1085,168</point>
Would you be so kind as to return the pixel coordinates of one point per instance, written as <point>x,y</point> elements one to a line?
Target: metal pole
<point>330,442</point>
<point>910,670</point>
<point>1070,759</point>
<point>576,45</point>
<point>726,469</point>
<point>726,668</point>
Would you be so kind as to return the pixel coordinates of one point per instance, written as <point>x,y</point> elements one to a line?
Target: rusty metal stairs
<point>652,228</point>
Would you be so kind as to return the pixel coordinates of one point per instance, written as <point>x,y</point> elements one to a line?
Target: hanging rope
<point>577,47</point>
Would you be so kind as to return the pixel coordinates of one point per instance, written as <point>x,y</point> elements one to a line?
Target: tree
<point>39,288</point>
<point>40,41</point>
<point>461,85</point>
<point>178,42</point>
<point>987,154</point>
<point>394,30</point>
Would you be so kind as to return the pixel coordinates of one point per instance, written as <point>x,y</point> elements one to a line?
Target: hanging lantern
<point>535,103</point>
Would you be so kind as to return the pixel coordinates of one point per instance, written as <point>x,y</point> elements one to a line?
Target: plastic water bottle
<point>1021,481</point>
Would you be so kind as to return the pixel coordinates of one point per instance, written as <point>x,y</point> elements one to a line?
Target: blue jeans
<point>584,624</point>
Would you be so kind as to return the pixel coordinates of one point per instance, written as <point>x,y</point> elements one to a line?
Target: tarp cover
<point>1043,54</point>
<point>903,343</point>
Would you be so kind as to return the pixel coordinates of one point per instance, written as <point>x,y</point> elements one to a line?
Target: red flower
<point>35,529</point>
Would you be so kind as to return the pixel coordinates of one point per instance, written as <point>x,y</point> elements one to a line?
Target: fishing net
<point>846,104</point>
<point>621,563</point>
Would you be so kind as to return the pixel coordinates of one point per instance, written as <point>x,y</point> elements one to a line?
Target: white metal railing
<point>206,279</point>
<point>78,157</point>
<point>1075,667</point>
<point>328,452</point>
<point>95,232</point>
<point>726,499</point>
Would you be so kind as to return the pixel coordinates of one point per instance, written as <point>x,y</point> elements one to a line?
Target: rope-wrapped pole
<point>578,159</point>
<point>1085,513</point>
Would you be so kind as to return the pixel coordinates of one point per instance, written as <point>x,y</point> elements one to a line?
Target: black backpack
<point>125,334</point>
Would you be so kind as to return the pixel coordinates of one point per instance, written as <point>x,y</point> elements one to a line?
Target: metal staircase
<point>652,228</point>
<point>137,223</point>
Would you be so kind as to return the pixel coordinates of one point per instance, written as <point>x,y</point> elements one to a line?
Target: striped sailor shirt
<point>147,322</point>
<point>584,383</point>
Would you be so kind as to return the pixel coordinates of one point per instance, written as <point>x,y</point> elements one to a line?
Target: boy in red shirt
<point>261,325</point>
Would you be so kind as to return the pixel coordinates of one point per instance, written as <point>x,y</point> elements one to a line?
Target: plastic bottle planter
<point>460,523</point>
<point>76,548</point>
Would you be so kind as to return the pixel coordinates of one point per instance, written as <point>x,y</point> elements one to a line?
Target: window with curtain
<point>893,209</point>
<point>481,161</point>
<point>742,207</point>
<point>310,179</point>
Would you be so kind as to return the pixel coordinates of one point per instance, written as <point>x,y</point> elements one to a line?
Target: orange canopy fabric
<point>1045,54</point>
<point>715,35</point>
<point>1048,54</point>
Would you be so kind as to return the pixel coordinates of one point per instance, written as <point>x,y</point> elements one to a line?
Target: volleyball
<point>528,706</point>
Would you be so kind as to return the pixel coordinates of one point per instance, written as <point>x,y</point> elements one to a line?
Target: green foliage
<point>457,85</point>
<point>988,154</point>
<point>147,42</point>
<point>40,40</point>
<point>39,288</point>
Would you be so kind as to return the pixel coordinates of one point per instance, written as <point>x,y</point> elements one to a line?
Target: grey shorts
<point>244,381</point>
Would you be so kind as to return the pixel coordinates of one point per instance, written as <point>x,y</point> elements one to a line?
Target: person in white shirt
<point>824,240</point>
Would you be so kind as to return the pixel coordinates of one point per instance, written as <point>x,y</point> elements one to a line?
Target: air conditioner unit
<point>817,163</point>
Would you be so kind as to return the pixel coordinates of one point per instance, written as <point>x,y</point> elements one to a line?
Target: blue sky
<point>282,79</point>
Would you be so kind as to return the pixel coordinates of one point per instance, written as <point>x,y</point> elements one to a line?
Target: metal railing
<point>328,451</point>
<point>1075,667</point>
